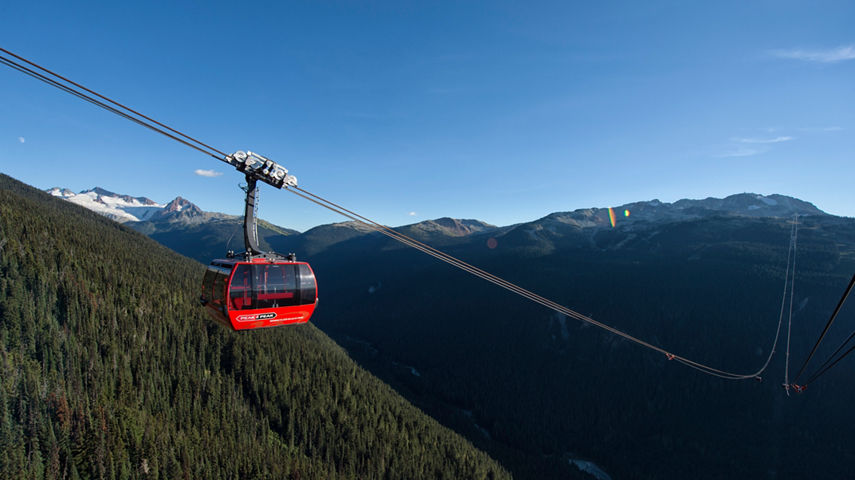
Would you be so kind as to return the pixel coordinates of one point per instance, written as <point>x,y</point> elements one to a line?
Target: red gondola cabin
<point>259,293</point>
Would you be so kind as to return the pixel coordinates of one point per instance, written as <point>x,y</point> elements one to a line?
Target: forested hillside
<point>108,369</point>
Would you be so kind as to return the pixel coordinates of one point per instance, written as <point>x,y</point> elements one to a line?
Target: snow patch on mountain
<point>767,200</point>
<point>124,208</point>
<point>121,208</point>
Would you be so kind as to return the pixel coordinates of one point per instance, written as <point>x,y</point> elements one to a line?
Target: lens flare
<point>612,216</point>
<point>626,213</point>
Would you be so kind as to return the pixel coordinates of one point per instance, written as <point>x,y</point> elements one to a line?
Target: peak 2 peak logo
<point>257,316</point>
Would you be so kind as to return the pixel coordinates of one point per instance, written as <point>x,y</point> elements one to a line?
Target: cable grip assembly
<point>261,168</point>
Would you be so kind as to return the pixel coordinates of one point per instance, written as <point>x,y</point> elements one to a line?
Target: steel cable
<point>406,240</point>
<point>116,103</point>
<point>818,374</point>
<point>528,294</point>
<point>825,330</point>
<point>98,103</point>
<point>794,242</point>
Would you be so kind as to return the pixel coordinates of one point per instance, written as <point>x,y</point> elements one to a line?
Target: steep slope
<point>109,370</point>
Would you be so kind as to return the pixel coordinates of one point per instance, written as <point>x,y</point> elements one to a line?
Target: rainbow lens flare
<point>612,216</point>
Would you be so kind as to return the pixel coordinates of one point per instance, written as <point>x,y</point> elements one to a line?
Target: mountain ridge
<point>184,227</point>
<point>740,204</point>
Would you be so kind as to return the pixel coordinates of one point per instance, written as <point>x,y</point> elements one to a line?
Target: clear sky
<point>405,111</point>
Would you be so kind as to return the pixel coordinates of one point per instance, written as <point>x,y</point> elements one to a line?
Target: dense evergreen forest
<point>108,369</point>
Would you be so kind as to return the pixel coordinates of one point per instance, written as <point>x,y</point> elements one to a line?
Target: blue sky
<point>406,111</point>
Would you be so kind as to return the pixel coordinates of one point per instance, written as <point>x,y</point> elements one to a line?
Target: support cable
<point>794,241</point>
<point>96,102</point>
<point>144,120</point>
<point>521,291</point>
<point>115,103</point>
<point>830,362</point>
<point>791,255</point>
<point>818,374</point>
<point>824,331</point>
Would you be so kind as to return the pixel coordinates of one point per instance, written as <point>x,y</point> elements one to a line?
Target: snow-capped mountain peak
<point>125,208</point>
<point>61,192</point>
<point>121,208</point>
<point>181,205</point>
<point>141,201</point>
<point>182,210</point>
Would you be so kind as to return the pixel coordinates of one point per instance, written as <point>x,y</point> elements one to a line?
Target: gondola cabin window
<point>259,293</point>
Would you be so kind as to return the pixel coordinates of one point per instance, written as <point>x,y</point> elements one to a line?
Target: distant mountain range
<point>654,211</point>
<point>186,228</point>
